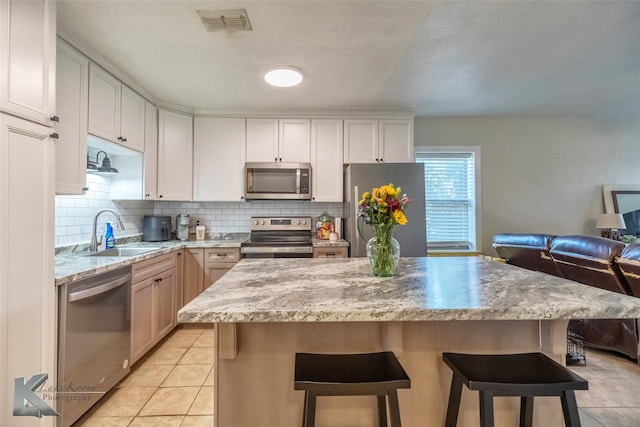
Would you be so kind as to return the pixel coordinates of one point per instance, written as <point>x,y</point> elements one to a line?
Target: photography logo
<point>30,397</point>
<point>26,402</point>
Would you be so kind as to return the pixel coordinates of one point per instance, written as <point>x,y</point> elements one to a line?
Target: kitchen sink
<point>124,252</point>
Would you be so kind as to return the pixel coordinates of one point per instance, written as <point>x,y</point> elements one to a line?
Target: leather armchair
<point>593,261</point>
<point>530,251</point>
<point>629,263</point>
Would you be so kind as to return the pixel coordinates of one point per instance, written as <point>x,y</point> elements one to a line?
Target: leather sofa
<point>591,260</point>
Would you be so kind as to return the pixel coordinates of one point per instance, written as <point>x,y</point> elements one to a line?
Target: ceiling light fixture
<point>283,76</point>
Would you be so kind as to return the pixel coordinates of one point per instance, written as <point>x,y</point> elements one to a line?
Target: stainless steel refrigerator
<point>364,177</point>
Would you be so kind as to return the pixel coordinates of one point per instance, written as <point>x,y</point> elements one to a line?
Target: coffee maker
<point>182,227</point>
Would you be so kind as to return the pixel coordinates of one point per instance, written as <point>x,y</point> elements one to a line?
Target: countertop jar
<point>324,226</point>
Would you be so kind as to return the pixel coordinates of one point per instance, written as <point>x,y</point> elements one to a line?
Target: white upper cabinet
<point>326,160</point>
<point>396,141</point>
<point>361,141</point>
<point>294,144</point>
<point>273,140</point>
<point>72,80</point>
<point>377,141</point>
<point>28,59</point>
<point>132,116</point>
<point>116,113</point>
<point>150,152</point>
<point>175,156</point>
<point>262,140</point>
<point>218,159</point>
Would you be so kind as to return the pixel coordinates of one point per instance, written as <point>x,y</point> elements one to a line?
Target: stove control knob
<point>262,222</point>
<point>304,222</point>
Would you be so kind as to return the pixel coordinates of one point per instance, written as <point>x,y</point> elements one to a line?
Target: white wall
<point>542,174</point>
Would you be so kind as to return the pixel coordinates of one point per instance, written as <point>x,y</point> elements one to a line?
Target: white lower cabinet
<point>153,302</point>
<point>27,290</point>
<point>218,159</point>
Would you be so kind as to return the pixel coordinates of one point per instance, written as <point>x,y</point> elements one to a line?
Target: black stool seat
<point>375,374</point>
<point>524,375</point>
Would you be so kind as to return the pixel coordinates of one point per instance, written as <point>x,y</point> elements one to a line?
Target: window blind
<point>450,199</point>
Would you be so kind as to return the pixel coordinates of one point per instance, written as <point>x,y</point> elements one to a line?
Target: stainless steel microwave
<point>278,181</point>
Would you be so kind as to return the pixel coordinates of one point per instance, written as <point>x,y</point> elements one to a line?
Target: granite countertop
<point>70,267</point>
<point>423,289</point>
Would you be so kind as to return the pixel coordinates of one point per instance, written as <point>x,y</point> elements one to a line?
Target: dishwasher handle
<point>100,289</point>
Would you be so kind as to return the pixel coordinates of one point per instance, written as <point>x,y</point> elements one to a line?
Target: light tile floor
<point>613,398</point>
<point>173,387</point>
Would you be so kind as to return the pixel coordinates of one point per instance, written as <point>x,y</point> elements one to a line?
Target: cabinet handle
<point>275,159</point>
<point>124,139</point>
<point>160,196</point>
<point>119,138</point>
<point>53,136</point>
<point>147,195</point>
<point>280,159</point>
<point>55,119</point>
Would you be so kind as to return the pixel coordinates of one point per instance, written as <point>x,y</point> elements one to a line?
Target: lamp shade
<point>611,221</point>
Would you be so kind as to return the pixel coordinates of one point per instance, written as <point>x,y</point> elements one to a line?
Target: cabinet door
<point>193,274</point>
<point>326,160</point>
<point>214,271</point>
<point>294,140</point>
<point>105,93</point>
<point>132,115</point>
<point>28,59</point>
<point>142,336</point>
<point>361,141</point>
<point>175,156</point>
<point>164,308</point>
<point>150,152</point>
<point>27,292</point>
<point>396,141</point>
<point>72,80</point>
<point>262,140</point>
<point>218,159</point>
<point>331,252</point>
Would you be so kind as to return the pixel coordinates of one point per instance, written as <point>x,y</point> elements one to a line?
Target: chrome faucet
<point>93,246</point>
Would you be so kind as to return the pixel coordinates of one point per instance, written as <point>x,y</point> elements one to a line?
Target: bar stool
<point>369,374</point>
<point>524,375</point>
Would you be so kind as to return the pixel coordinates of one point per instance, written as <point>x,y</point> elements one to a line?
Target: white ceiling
<point>437,58</point>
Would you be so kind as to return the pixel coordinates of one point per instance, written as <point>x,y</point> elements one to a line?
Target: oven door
<point>277,251</point>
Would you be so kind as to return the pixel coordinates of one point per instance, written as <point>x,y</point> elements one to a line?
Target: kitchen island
<point>266,310</point>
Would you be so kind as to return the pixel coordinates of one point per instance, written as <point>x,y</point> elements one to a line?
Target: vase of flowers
<point>383,209</point>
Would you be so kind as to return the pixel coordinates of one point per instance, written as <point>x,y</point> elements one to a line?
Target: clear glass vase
<point>383,251</point>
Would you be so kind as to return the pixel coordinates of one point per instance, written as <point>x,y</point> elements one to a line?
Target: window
<point>452,195</point>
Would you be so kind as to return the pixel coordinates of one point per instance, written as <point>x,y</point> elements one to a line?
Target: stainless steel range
<point>279,237</point>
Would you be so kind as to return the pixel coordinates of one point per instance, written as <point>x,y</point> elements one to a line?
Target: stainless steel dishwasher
<point>94,340</point>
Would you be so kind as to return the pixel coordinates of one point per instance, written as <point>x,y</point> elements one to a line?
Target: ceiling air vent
<point>225,20</point>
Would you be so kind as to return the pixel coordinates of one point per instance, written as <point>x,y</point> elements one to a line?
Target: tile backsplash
<point>74,214</point>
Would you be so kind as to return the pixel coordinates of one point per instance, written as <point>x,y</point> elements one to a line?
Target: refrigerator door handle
<point>356,195</point>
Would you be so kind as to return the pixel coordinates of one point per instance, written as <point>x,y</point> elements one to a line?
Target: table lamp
<point>609,224</point>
